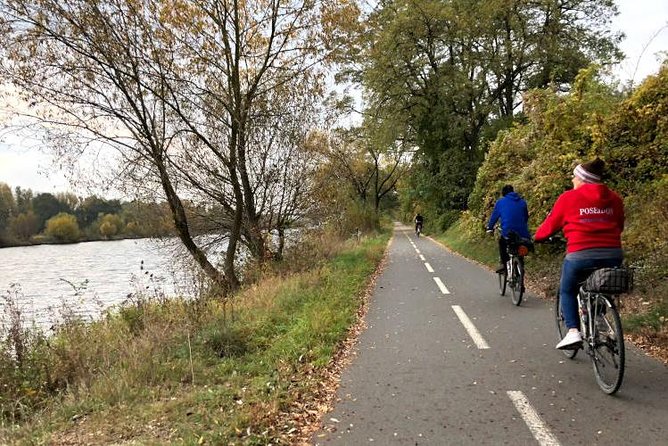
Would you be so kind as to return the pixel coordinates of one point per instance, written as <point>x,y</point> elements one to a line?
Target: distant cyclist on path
<point>592,219</point>
<point>512,210</point>
<point>419,219</point>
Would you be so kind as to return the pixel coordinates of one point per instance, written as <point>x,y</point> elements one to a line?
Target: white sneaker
<point>571,341</point>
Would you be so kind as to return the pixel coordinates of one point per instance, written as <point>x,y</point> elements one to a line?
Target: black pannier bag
<point>610,281</point>
<point>515,241</point>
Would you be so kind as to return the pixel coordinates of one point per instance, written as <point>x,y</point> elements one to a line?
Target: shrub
<point>24,225</point>
<point>358,217</point>
<point>63,227</point>
<point>110,225</point>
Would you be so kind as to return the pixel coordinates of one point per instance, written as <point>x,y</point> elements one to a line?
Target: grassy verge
<point>184,372</point>
<point>644,312</point>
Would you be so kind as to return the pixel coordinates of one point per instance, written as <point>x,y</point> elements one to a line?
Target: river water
<point>47,281</point>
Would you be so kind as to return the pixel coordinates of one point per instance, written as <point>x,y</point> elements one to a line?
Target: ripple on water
<point>49,274</point>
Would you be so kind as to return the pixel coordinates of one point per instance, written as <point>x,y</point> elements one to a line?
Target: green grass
<point>173,372</point>
<point>459,238</point>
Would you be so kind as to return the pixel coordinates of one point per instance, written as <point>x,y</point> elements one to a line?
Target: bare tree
<point>370,164</point>
<point>181,91</point>
<point>286,167</point>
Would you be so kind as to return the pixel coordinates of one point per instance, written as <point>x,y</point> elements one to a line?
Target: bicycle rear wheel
<point>561,327</point>
<point>608,354</point>
<point>517,286</point>
<point>503,281</point>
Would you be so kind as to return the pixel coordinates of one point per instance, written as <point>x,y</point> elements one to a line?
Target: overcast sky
<point>645,23</point>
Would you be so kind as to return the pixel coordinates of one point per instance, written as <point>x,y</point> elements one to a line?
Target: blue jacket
<point>514,215</point>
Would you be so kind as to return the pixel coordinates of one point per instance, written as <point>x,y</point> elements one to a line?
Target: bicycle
<point>600,324</point>
<point>418,229</point>
<point>513,275</point>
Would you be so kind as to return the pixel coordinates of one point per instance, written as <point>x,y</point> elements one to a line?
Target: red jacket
<point>591,216</point>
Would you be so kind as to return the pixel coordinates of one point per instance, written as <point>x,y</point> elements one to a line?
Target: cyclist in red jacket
<point>592,219</point>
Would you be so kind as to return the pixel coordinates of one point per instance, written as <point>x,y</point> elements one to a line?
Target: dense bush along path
<point>446,360</point>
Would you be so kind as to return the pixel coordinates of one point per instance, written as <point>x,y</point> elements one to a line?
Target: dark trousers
<point>503,250</point>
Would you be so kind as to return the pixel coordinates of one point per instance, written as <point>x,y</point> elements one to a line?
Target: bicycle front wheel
<point>608,350</point>
<point>518,281</point>
<point>561,327</point>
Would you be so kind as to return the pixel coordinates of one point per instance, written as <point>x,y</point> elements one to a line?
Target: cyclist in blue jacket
<point>512,210</point>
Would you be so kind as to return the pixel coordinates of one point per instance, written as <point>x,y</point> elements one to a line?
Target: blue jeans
<point>572,272</point>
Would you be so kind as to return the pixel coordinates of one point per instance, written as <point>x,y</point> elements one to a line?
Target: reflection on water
<point>88,277</point>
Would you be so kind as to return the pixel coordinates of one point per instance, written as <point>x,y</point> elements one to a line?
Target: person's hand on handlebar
<point>552,240</point>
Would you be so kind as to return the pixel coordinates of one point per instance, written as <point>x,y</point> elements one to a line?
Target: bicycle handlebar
<point>556,239</point>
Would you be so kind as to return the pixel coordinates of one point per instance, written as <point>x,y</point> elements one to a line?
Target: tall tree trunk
<point>281,243</point>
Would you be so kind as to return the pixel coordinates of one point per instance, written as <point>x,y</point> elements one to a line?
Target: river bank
<point>45,240</point>
<point>196,371</point>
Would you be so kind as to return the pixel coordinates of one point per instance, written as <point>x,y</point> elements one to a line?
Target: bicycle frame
<point>588,312</point>
<point>510,266</point>
<point>513,277</point>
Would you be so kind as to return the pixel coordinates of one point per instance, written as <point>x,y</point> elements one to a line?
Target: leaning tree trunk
<point>181,225</point>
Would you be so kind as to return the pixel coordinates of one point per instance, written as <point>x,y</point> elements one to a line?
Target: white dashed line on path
<point>441,286</point>
<point>429,268</point>
<point>536,425</point>
<point>470,328</point>
<point>422,258</point>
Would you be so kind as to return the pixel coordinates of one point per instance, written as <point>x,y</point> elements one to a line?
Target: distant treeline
<point>28,218</point>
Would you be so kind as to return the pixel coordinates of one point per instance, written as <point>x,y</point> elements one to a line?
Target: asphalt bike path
<point>446,360</point>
